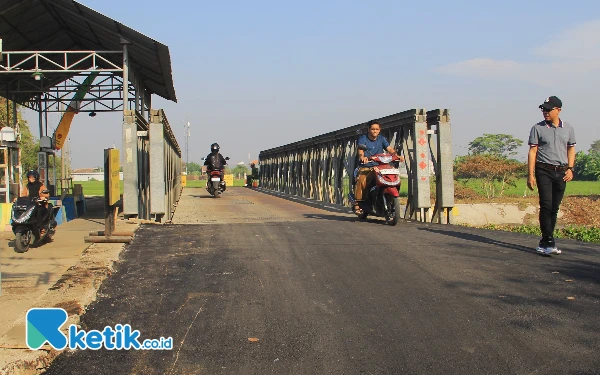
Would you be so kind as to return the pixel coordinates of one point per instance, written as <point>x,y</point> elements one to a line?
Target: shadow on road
<point>482,239</point>
<point>330,207</point>
<point>578,261</point>
<point>343,218</point>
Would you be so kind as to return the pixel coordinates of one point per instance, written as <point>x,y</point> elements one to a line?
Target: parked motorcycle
<point>27,227</point>
<point>215,184</point>
<point>383,198</point>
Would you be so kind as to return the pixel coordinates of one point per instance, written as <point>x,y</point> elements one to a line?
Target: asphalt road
<point>325,294</point>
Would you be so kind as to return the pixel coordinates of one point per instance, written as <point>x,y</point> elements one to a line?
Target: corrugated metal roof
<point>66,25</point>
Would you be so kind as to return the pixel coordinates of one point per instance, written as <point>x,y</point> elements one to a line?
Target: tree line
<point>28,143</point>
<point>491,159</point>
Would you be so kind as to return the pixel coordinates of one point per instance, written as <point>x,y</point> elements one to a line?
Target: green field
<point>96,188</point>
<point>520,189</point>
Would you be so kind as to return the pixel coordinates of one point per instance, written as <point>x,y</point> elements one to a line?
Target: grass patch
<point>520,189</point>
<point>575,232</point>
<point>94,188</point>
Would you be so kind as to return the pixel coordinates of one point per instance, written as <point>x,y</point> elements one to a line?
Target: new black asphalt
<point>330,295</point>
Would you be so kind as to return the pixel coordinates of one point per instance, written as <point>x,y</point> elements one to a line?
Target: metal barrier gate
<point>321,167</point>
<point>151,167</point>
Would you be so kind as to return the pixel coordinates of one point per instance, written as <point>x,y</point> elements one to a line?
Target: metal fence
<point>321,167</point>
<point>151,167</point>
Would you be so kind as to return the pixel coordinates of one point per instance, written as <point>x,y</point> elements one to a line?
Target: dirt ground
<point>65,272</point>
<point>576,210</point>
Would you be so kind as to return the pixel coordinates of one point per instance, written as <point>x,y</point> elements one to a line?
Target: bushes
<point>587,166</point>
<point>495,172</point>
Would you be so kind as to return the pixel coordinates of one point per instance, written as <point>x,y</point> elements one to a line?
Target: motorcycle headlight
<point>385,159</point>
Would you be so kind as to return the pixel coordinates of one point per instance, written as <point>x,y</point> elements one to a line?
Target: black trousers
<point>551,189</point>
<point>40,213</point>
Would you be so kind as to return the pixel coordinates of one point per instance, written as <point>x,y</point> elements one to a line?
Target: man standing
<point>254,176</point>
<point>551,160</point>
<point>376,144</point>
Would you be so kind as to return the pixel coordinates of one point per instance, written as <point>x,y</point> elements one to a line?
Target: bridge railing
<point>165,167</point>
<point>151,167</point>
<point>322,167</point>
<point>136,166</point>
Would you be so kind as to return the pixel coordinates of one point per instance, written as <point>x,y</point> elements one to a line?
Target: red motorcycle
<point>383,197</point>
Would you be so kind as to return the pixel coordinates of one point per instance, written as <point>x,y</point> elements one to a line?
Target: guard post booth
<point>10,166</point>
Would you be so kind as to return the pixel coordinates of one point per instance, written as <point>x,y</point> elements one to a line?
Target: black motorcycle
<point>215,185</point>
<point>27,222</point>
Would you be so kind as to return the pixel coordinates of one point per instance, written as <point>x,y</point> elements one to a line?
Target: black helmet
<point>33,173</point>
<point>214,147</point>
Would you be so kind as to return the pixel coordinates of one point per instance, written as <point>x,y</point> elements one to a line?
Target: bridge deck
<point>325,294</point>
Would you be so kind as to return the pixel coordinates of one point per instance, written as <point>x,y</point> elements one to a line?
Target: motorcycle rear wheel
<point>215,188</point>
<point>22,242</point>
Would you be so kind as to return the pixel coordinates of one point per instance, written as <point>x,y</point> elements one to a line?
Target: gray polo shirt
<point>552,142</point>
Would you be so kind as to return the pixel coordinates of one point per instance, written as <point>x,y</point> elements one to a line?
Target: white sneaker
<point>541,250</point>
<point>553,250</point>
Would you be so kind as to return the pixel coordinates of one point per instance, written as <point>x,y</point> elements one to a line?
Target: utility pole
<point>187,154</point>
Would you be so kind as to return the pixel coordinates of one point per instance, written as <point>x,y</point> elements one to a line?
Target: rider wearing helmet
<point>214,160</point>
<point>34,189</point>
<point>34,186</point>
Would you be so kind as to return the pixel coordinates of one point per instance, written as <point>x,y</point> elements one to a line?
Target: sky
<point>256,75</point>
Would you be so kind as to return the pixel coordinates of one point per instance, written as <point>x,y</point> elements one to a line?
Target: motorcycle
<point>382,199</point>
<point>215,184</point>
<point>26,226</point>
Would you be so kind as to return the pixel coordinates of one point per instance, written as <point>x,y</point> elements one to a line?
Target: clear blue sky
<point>260,74</point>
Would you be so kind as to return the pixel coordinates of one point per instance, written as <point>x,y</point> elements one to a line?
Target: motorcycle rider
<point>376,144</point>
<point>215,161</point>
<point>33,189</point>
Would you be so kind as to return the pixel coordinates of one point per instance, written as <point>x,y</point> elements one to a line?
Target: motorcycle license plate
<point>389,171</point>
<point>215,179</point>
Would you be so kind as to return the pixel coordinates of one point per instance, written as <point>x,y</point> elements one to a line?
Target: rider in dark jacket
<point>214,160</point>
<point>34,189</point>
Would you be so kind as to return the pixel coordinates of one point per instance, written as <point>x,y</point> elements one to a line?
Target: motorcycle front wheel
<point>392,216</point>
<point>22,241</point>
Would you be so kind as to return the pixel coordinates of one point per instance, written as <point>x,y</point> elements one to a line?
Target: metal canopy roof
<point>66,25</point>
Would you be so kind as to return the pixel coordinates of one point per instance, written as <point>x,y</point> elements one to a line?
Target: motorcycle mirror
<point>227,158</point>
<point>362,147</point>
<point>45,191</point>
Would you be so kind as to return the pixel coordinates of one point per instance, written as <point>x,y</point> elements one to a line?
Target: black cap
<point>551,102</point>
